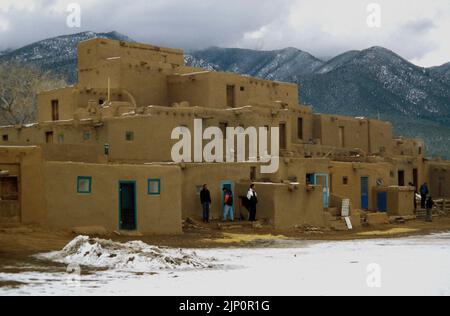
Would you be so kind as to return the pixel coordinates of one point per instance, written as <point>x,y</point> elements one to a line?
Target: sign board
<point>345,208</point>
<point>349,223</point>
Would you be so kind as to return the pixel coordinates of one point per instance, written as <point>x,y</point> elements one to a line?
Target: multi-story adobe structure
<point>100,153</point>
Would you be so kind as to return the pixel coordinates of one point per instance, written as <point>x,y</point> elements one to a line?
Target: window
<point>5,138</point>
<point>154,186</point>
<point>420,151</point>
<point>129,136</point>
<point>87,135</point>
<point>84,185</point>
<point>300,128</point>
<point>55,110</point>
<point>242,88</point>
<point>231,96</point>
<point>345,180</point>
<point>101,101</point>
<point>49,137</point>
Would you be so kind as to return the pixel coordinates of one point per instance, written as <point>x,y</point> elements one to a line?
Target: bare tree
<point>19,85</point>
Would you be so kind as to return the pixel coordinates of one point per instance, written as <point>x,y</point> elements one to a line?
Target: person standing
<point>228,205</point>
<point>252,197</point>
<point>424,191</point>
<point>205,199</point>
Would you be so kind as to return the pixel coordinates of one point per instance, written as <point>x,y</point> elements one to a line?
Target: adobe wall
<point>380,137</point>
<point>289,206</point>
<point>157,214</point>
<point>296,169</point>
<point>94,50</point>
<point>370,136</point>
<point>438,178</point>
<point>26,163</point>
<point>408,165</point>
<point>209,89</point>
<point>408,147</point>
<point>306,125</point>
<point>67,99</point>
<point>70,132</point>
<point>353,171</point>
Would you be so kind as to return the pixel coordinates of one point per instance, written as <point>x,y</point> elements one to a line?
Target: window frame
<point>149,182</point>
<point>78,184</point>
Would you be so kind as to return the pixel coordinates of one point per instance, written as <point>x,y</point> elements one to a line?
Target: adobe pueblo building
<point>100,153</point>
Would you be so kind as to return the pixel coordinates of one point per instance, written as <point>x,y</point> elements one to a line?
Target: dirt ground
<point>28,240</point>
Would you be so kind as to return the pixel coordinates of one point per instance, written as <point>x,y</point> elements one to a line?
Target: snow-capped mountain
<point>279,65</point>
<point>374,82</point>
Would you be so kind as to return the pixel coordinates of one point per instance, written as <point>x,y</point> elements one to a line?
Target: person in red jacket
<point>228,205</point>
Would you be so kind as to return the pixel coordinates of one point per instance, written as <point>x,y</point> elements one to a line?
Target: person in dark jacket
<point>429,204</point>
<point>205,199</point>
<point>423,194</point>
<point>252,198</point>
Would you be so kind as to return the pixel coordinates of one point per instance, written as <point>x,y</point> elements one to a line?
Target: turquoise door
<point>323,179</point>
<point>127,205</point>
<point>365,193</point>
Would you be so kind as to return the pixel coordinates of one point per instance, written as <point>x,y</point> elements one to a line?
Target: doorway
<point>401,178</point>
<point>55,110</point>
<point>323,179</point>
<point>365,193</point>
<point>231,96</point>
<point>127,205</point>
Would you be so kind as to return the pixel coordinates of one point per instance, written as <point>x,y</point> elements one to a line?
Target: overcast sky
<point>418,30</point>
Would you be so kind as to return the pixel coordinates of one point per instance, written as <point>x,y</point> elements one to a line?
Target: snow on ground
<point>134,256</point>
<point>407,266</point>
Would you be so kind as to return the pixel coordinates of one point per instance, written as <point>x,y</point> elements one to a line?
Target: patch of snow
<point>134,256</point>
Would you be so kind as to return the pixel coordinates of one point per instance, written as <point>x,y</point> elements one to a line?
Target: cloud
<point>415,29</point>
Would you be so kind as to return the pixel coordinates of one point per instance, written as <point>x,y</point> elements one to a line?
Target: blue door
<point>365,193</point>
<point>382,202</point>
<point>323,180</point>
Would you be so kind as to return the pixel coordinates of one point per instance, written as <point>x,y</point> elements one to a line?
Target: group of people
<point>249,202</point>
<point>426,201</point>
